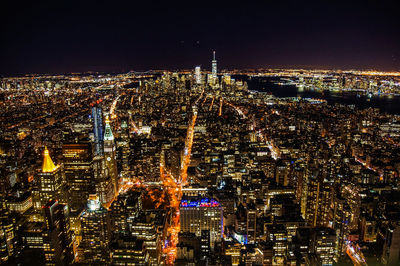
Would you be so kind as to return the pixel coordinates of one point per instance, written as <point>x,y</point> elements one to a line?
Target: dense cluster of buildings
<point>271,181</point>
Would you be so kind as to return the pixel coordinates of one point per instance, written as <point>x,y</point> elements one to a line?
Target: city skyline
<point>269,167</point>
<point>144,133</point>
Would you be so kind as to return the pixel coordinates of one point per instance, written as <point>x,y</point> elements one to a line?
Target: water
<point>387,104</point>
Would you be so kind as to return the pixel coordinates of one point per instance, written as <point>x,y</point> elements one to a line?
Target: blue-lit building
<point>97,115</point>
<point>198,215</point>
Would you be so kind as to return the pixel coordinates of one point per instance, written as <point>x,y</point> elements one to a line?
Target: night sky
<point>72,36</point>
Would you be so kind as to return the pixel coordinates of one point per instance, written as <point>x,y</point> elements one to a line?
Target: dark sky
<point>73,36</point>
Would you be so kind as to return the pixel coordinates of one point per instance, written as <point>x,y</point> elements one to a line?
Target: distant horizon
<point>220,70</point>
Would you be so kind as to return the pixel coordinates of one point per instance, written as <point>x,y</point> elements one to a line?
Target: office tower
<point>319,200</point>
<point>282,172</point>
<point>214,67</point>
<point>251,223</point>
<point>97,115</point>
<point>8,234</point>
<point>149,227</point>
<point>103,183</point>
<point>78,169</point>
<point>126,206</point>
<point>125,145</point>
<point>95,225</point>
<point>57,237</point>
<point>202,214</point>
<point>51,180</point>
<point>342,219</point>
<point>197,75</point>
<point>145,228</point>
<point>109,155</point>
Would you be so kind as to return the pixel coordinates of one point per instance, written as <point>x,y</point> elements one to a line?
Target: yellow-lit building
<point>50,180</point>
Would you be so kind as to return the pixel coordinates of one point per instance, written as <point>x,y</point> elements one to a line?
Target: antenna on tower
<point>214,55</point>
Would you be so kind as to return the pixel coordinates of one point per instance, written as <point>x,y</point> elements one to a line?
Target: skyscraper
<point>109,155</point>
<point>95,233</point>
<point>198,215</point>
<point>8,237</point>
<point>51,181</point>
<point>57,238</point>
<point>319,199</point>
<point>78,169</point>
<point>124,143</point>
<point>214,67</point>
<point>97,115</point>
<point>103,183</point>
<point>197,75</point>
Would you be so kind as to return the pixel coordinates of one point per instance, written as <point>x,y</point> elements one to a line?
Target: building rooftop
<point>202,202</point>
<point>48,165</point>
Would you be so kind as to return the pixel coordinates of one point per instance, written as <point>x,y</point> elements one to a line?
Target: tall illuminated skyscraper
<point>199,215</point>
<point>57,238</point>
<point>197,75</point>
<point>97,115</point>
<point>109,155</point>
<point>125,145</point>
<point>214,67</point>
<point>78,169</point>
<point>51,181</point>
<point>103,183</point>
<point>319,200</point>
<point>95,222</point>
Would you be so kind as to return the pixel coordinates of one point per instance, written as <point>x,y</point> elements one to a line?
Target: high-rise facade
<point>8,236</point>
<point>197,75</point>
<point>95,224</point>
<point>319,200</point>
<point>214,67</point>
<point>57,237</point>
<point>204,214</point>
<point>124,143</point>
<point>110,155</point>
<point>251,224</point>
<point>104,186</point>
<point>78,169</point>
<point>97,115</point>
<point>50,180</point>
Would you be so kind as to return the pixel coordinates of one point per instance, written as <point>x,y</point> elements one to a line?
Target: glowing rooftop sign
<point>203,203</point>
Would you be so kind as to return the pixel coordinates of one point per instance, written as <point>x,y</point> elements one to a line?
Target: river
<point>387,104</point>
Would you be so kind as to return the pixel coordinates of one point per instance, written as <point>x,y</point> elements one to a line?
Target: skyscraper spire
<point>48,165</point>
<point>214,67</point>
<point>109,156</point>
<point>108,135</point>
